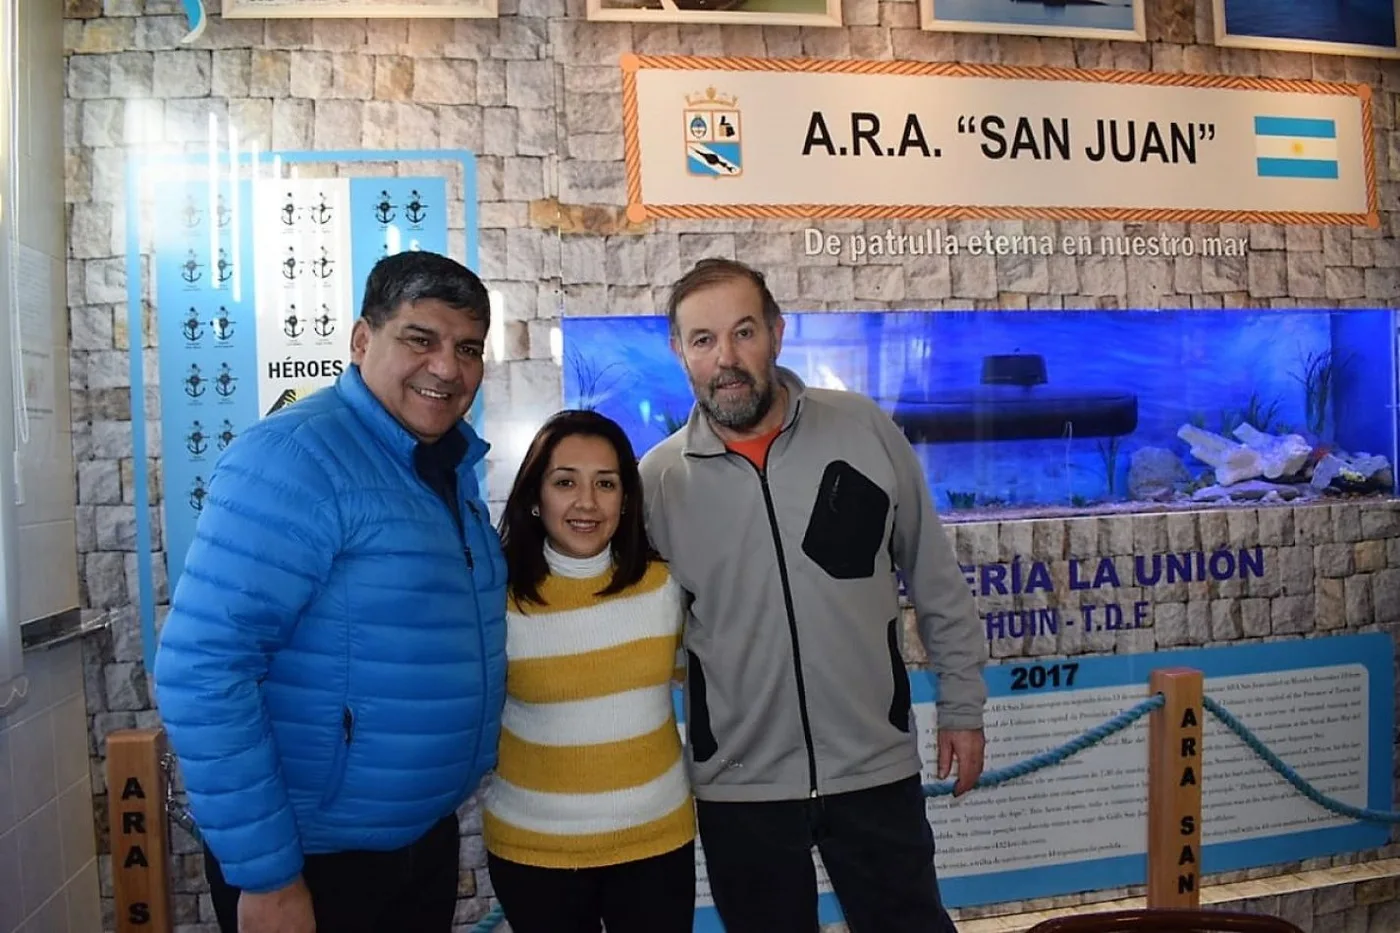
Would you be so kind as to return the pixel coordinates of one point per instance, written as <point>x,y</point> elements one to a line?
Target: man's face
<point>728,352</point>
<point>424,365</point>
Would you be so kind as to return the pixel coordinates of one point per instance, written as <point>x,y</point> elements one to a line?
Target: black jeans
<point>650,895</point>
<point>876,845</point>
<point>407,890</point>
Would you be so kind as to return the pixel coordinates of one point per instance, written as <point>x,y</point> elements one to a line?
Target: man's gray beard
<point>744,416</point>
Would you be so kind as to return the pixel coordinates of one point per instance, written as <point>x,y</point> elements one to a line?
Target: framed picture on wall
<point>358,9</point>
<point>1124,20</point>
<point>1328,27</point>
<point>730,12</point>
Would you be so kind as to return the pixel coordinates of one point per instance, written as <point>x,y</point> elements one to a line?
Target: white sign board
<point>786,139</point>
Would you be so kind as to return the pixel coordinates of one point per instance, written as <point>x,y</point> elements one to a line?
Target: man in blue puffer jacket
<point>332,670</point>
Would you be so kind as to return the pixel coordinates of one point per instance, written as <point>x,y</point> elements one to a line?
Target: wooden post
<point>140,831</point>
<point>1174,790</point>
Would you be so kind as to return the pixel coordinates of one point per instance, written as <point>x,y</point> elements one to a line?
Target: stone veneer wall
<point>537,95</point>
<point>1327,568</point>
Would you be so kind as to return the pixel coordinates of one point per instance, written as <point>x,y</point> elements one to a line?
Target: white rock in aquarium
<point>1326,470</point>
<point>1372,466</point>
<point>1370,473</point>
<point>1279,455</point>
<point>1154,473</point>
<point>1233,463</point>
<point>1253,490</point>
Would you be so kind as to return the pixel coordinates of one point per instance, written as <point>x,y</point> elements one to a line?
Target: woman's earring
<point>535,511</point>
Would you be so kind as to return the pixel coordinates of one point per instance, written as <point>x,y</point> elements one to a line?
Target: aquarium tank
<point>1048,412</point>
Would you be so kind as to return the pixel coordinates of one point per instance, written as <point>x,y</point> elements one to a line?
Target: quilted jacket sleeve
<point>264,545</point>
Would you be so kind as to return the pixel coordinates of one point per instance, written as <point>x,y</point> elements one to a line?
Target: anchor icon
<point>189,270</point>
<point>325,324</point>
<point>289,210</point>
<point>323,267</point>
<point>222,324</point>
<point>322,212</point>
<point>225,266</point>
<point>292,325</point>
<point>191,214</point>
<point>194,382</point>
<point>226,435</point>
<point>192,329</point>
<point>196,439</point>
<point>415,210</point>
<point>384,210</point>
<point>198,493</point>
<point>290,264</point>
<point>224,381</point>
<point>223,211</point>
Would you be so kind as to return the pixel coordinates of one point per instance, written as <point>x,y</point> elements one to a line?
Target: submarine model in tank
<point>1015,402</point>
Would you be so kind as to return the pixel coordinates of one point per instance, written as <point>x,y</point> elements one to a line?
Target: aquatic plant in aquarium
<point>1038,412</point>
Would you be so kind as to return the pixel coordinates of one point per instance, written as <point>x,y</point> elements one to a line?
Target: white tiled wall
<point>48,860</point>
<point>47,536</point>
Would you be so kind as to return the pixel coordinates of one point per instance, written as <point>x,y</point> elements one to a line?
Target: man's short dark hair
<point>416,275</point>
<point>708,272</point>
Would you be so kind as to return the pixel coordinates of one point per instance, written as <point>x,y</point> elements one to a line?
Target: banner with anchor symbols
<point>394,215</point>
<point>256,296</point>
<point>303,273</point>
<point>208,357</point>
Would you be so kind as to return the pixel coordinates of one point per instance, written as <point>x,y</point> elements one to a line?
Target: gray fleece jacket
<point>795,683</point>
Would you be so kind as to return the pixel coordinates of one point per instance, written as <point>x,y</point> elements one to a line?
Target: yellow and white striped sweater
<point>590,770</point>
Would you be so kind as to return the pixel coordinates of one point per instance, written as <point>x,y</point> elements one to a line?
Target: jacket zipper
<point>462,536</point>
<point>792,627</point>
<point>340,764</point>
<point>480,624</point>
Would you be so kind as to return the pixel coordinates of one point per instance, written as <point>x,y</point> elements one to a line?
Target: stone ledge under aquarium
<point>1022,414</point>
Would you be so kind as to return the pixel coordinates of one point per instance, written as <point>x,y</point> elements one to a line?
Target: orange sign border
<point>637,211</point>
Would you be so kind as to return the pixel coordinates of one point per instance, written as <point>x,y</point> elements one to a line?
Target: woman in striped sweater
<point>589,818</point>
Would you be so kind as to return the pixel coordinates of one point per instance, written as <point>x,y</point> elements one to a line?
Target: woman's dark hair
<point>523,535</point>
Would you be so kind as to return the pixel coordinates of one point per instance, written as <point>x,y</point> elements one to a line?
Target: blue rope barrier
<point>1291,776</point>
<point>493,919</point>
<point>1056,755</point>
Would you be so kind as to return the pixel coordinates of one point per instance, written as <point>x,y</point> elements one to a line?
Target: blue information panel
<point>1323,705</point>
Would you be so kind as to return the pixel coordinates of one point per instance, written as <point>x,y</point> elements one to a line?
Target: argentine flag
<point>1295,147</point>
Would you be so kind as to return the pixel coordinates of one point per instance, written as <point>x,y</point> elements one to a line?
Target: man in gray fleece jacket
<point>784,512</point>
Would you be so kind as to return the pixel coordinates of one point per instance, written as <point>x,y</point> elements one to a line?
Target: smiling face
<point>581,496</point>
<point>730,355</point>
<point>424,364</point>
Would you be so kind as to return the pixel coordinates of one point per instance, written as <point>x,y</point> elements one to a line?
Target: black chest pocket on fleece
<point>847,526</point>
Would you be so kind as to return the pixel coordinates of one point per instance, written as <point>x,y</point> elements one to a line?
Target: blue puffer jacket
<point>332,670</point>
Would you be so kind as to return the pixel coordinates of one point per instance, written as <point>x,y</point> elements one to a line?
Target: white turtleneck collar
<point>582,568</point>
